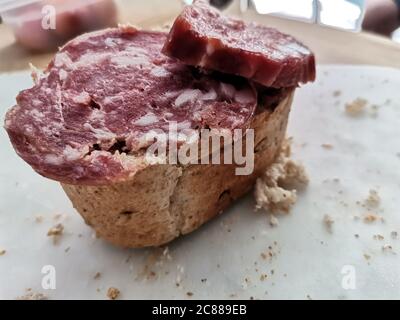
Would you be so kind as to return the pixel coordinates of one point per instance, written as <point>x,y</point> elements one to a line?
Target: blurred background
<point>30,28</point>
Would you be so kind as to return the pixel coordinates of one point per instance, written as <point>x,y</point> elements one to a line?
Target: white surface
<point>308,260</point>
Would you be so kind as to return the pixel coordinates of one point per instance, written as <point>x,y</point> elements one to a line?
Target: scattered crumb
<point>57,216</point>
<point>275,191</point>
<point>39,219</point>
<point>97,276</point>
<point>394,234</point>
<point>370,217</point>
<point>327,146</point>
<point>263,277</point>
<point>155,263</point>
<point>113,293</point>
<point>356,108</point>
<point>378,237</point>
<point>263,255</point>
<point>357,236</point>
<point>374,110</point>
<point>387,248</point>
<point>309,297</point>
<point>337,93</point>
<point>328,222</point>
<point>67,249</point>
<point>273,221</point>
<point>373,199</point>
<point>56,232</point>
<point>204,280</point>
<point>30,295</point>
<point>189,294</point>
<point>2,252</point>
<point>367,256</point>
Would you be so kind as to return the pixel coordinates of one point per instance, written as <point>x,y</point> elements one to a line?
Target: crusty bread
<point>164,201</point>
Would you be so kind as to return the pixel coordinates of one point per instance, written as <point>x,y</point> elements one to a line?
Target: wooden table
<point>330,45</point>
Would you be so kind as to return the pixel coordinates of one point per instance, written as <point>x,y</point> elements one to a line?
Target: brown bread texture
<point>161,202</point>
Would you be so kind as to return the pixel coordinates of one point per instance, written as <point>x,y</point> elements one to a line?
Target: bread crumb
<point>56,232</point>
<point>57,216</point>
<point>373,200</point>
<point>387,248</point>
<point>378,237</point>
<point>97,276</point>
<point>374,110</point>
<point>275,190</point>
<point>337,93</point>
<point>2,252</point>
<point>328,222</point>
<point>273,221</point>
<point>367,256</point>
<point>370,217</point>
<point>39,219</point>
<point>113,293</point>
<point>327,146</point>
<point>356,108</point>
<point>263,277</point>
<point>394,234</point>
<point>154,264</point>
<point>189,294</point>
<point>30,295</point>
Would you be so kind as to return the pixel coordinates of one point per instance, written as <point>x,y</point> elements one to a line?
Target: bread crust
<point>161,202</point>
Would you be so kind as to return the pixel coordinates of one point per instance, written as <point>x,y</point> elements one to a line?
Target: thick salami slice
<point>85,119</point>
<point>202,36</point>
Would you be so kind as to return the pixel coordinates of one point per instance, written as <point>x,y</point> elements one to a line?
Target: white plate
<point>308,261</point>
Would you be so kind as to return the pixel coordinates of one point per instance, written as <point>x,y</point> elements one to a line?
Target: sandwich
<point>152,134</point>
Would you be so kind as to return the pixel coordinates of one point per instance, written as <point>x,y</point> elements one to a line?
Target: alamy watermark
<point>49,278</point>
<point>349,279</point>
<point>201,146</point>
<point>49,20</point>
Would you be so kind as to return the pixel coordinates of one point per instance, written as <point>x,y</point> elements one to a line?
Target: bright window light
<point>297,8</point>
<point>341,14</point>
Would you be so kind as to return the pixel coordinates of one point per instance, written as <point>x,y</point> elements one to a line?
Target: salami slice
<point>84,120</point>
<point>202,36</point>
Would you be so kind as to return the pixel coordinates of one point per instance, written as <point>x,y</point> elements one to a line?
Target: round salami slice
<point>202,36</point>
<point>84,120</point>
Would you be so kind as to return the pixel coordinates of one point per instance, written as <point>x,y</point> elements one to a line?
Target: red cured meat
<point>85,119</point>
<point>202,36</point>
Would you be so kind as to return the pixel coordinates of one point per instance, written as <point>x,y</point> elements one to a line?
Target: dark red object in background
<point>72,18</point>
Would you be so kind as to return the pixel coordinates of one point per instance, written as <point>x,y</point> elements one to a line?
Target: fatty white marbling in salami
<point>85,118</point>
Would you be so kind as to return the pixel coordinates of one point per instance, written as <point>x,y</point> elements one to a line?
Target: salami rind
<point>84,119</point>
<point>202,36</point>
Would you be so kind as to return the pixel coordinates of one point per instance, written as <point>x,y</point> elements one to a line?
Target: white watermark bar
<point>204,146</point>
